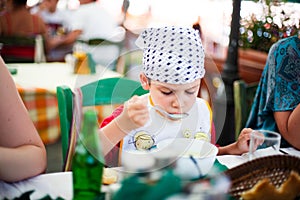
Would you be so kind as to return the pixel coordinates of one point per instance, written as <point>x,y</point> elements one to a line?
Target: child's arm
<point>135,114</point>
<point>240,146</point>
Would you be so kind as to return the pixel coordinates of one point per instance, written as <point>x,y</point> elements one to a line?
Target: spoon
<point>196,165</point>
<point>169,115</point>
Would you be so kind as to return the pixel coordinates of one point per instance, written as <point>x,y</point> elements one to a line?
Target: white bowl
<point>204,153</point>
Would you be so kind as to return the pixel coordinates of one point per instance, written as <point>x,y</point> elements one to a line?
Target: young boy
<point>173,66</point>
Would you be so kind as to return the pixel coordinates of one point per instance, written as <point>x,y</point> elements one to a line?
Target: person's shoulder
<point>41,24</point>
<point>286,41</point>
<point>37,17</point>
<point>289,39</point>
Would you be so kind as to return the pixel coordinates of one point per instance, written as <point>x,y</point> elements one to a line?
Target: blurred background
<point>214,16</point>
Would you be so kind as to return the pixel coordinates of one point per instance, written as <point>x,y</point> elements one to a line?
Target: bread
<point>109,176</point>
<point>291,187</point>
<point>264,189</point>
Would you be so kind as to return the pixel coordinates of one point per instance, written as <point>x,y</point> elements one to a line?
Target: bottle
<point>88,160</point>
<point>39,54</point>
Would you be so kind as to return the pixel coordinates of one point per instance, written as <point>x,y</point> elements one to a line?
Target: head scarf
<point>172,54</point>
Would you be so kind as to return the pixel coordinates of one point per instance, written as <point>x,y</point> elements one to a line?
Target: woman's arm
<point>22,151</point>
<point>288,124</point>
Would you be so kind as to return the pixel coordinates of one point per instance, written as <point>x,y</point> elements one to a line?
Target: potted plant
<point>258,32</point>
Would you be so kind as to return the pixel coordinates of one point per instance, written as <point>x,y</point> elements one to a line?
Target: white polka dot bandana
<point>172,54</point>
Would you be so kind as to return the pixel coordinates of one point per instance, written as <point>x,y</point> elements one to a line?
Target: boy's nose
<point>177,102</point>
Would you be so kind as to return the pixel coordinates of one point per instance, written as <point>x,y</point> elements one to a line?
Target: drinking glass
<point>263,143</point>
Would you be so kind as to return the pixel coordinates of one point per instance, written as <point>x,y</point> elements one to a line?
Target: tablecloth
<point>53,184</point>
<point>37,82</point>
<point>43,110</point>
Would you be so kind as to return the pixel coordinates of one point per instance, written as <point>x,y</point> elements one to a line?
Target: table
<point>51,75</point>
<point>60,184</point>
<point>231,161</point>
<point>37,82</point>
<point>53,184</point>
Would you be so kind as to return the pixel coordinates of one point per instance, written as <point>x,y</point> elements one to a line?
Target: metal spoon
<point>196,165</point>
<point>169,115</point>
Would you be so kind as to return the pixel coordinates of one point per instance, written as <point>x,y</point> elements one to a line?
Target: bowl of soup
<point>193,157</point>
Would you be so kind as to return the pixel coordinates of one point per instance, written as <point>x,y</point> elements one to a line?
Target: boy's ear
<point>144,81</point>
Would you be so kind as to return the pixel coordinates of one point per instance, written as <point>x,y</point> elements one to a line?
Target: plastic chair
<point>243,98</point>
<point>109,91</point>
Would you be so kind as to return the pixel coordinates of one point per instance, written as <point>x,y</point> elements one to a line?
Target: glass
<point>263,143</point>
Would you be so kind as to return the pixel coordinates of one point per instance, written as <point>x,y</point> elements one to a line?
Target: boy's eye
<point>166,92</point>
<point>190,92</point>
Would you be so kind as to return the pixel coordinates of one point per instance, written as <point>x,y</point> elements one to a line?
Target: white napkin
<point>231,161</point>
<point>53,184</point>
<point>291,151</point>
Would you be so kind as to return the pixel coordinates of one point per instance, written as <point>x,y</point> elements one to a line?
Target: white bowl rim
<point>212,153</point>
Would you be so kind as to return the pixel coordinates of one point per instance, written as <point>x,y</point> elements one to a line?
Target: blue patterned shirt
<point>279,87</point>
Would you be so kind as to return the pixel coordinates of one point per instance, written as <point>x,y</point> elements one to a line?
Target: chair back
<point>104,92</point>
<point>18,49</point>
<point>243,98</point>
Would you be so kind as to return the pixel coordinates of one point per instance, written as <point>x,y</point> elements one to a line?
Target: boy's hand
<point>134,115</point>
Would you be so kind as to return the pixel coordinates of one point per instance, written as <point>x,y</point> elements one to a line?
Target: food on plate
<point>109,176</point>
<point>264,189</point>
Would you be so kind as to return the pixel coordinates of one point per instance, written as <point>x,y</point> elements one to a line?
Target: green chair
<point>109,91</point>
<point>18,49</point>
<point>243,98</point>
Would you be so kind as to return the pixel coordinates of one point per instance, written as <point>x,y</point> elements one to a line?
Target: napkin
<point>26,196</point>
<point>291,151</point>
<point>231,161</point>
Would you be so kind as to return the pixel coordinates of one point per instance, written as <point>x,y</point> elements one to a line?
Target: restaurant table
<point>60,184</point>
<point>51,75</point>
<point>37,82</point>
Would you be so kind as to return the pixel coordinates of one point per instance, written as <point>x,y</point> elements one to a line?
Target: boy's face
<point>173,98</point>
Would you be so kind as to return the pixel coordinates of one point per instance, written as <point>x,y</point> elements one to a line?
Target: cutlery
<point>169,115</point>
<point>282,151</point>
<point>196,165</point>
